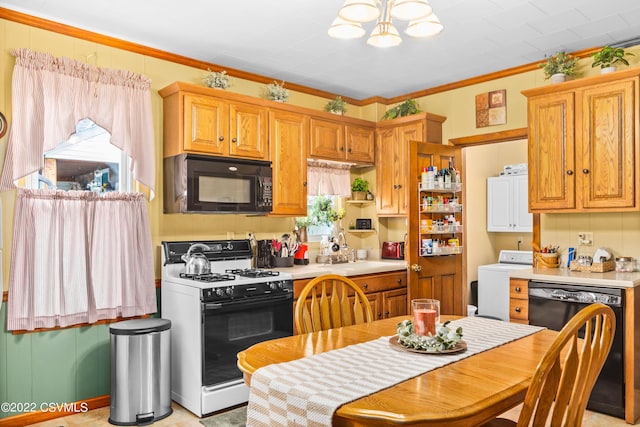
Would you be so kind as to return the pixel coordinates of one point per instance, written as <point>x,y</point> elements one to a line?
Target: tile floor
<point>183,418</point>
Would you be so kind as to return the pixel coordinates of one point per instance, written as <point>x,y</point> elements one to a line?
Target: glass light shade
<point>408,10</point>
<point>342,29</point>
<point>426,27</point>
<point>384,35</point>
<point>359,10</point>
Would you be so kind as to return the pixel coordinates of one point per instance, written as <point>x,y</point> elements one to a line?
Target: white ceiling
<point>287,39</point>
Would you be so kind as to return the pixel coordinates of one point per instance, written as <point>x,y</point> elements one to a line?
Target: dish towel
<point>307,391</point>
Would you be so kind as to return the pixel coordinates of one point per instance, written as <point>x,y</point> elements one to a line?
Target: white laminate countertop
<point>564,275</point>
<point>347,269</point>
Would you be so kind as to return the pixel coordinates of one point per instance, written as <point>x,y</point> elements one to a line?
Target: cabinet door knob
<point>349,150</point>
<point>585,171</point>
<point>304,184</point>
<point>395,186</point>
<point>379,315</point>
<point>341,148</point>
<point>518,289</point>
<point>416,267</point>
<point>399,186</point>
<point>365,285</point>
<point>221,138</point>
<point>399,281</point>
<point>386,314</point>
<point>569,172</point>
<point>234,140</point>
<point>517,309</point>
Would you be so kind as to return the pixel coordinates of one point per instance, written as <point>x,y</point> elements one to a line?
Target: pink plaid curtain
<point>51,95</point>
<point>79,257</point>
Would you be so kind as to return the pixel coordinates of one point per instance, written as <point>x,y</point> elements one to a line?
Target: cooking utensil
<point>197,263</point>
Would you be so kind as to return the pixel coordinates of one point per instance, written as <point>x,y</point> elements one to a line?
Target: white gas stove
<point>216,315</point>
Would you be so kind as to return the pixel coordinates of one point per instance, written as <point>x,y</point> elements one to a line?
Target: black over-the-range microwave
<point>207,184</point>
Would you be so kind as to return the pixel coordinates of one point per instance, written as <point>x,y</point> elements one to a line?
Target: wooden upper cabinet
<point>197,121</point>
<point>583,145</point>
<point>551,152</point>
<point>289,139</point>
<point>327,139</point>
<point>392,148</point>
<point>336,140</point>
<point>205,125</point>
<point>360,144</point>
<point>249,131</point>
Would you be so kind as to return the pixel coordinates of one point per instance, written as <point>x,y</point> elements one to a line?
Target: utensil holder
<point>547,260</point>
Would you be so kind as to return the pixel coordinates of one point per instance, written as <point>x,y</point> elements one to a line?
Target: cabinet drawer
<point>381,282</point>
<point>519,289</point>
<point>519,309</point>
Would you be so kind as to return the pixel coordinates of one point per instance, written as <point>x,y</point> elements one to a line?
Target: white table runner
<point>307,391</point>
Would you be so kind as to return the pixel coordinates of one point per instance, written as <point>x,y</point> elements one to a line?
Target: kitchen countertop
<point>564,275</point>
<point>347,269</point>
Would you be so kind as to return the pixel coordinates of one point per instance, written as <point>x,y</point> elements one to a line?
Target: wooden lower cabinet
<point>386,292</point>
<point>519,301</point>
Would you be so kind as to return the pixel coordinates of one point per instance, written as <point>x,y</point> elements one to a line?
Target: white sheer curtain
<point>51,95</point>
<point>79,257</point>
<point>325,177</point>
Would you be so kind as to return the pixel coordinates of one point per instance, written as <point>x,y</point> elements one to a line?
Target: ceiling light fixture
<point>422,21</point>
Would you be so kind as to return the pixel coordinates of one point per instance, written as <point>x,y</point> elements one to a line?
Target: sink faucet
<point>344,240</point>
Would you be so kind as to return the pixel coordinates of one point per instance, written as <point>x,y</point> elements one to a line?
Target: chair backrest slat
<point>325,303</point>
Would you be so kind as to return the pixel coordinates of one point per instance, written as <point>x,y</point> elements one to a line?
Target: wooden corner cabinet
<point>392,148</point>
<point>583,144</point>
<point>386,292</point>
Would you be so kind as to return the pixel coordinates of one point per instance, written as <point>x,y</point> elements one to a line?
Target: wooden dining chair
<point>325,303</point>
<point>565,376</point>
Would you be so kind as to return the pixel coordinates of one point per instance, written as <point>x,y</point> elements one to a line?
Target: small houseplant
<point>277,92</point>
<point>559,66</point>
<point>608,56</point>
<point>336,106</point>
<point>360,188</point>
<point>217,79</point>
<point>322,212</point>
<point>406,108</point>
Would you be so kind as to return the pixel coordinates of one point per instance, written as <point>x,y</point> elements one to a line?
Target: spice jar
<point>624,264</point>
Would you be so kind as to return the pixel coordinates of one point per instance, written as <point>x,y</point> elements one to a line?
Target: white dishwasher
<point>493,283</point>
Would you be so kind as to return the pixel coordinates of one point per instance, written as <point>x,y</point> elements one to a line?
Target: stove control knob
<point>220,292</point>
<point>229,291</point>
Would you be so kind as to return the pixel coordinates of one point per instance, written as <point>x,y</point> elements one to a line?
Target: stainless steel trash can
<point>140,371</point>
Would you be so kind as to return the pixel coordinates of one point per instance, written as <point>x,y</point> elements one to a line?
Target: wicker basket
<point>596,267</point>
<point>547,260</point>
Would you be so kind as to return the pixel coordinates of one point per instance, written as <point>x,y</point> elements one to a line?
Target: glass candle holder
<point>426,315</point>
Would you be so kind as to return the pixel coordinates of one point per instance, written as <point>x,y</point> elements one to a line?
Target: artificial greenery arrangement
<point>217,79</point>
<point>322,212</point>
<point>608,56</point>
<point>337,106</point>
<point>360,184</point>
<point>560,63</point>
<point>277,92</point>
<point>303,221</point>
<point>406,108</point>
<point>444,339</point>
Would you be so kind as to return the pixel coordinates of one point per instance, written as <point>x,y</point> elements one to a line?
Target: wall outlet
<point>585,238</point>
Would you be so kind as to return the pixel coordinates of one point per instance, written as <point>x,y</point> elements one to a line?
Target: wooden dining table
<point>467,392</point>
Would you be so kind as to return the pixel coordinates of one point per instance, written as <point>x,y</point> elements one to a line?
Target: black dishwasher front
<point>553,304</point>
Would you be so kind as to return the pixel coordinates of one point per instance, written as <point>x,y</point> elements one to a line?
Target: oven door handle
<point>246,303</point>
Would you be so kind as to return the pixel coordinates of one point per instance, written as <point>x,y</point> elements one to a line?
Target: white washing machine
<point>493,283</point>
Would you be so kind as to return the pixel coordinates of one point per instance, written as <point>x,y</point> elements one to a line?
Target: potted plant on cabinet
<point>559,66</point>
<point>277,92</point>
<point>359,189</point>
<point>217,79</point>
<point>406,108</point>
<point>336,106</point>
<point>607,57</point>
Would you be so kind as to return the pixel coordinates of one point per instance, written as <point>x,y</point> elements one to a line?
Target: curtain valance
<point>328,178</point>
<point>51,95</point>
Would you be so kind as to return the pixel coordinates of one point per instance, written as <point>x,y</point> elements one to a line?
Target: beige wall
<point>617,231</point>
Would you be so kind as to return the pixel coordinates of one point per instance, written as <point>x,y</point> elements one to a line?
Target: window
<point>86,161</point>
<point>315,232</point>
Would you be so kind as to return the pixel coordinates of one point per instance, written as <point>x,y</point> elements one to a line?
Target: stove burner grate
<point>209,277</point>
<point>252,272</point>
